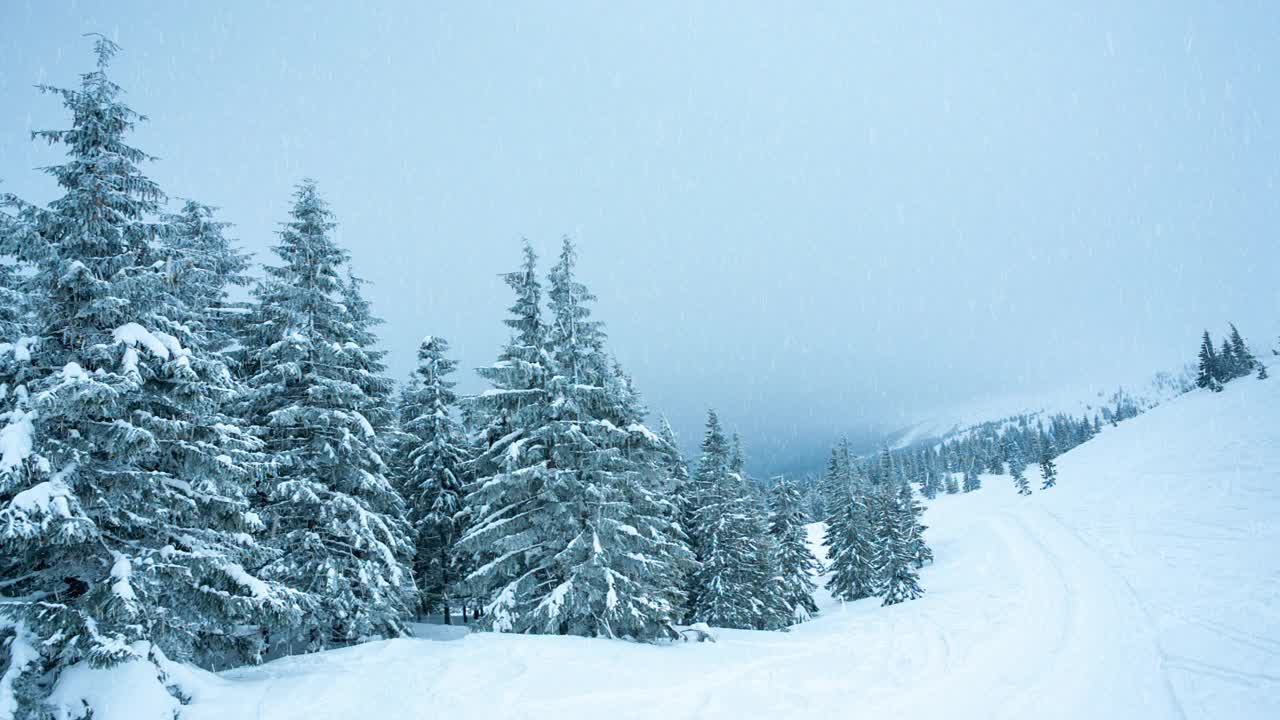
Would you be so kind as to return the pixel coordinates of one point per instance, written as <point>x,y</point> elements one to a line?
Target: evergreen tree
<point>1262,371</point>
<point>332,512</point>
<point>433,483</point>
<point>886,472</point>
<point>1017,464</point>
<point>1245,362</point>
<point>504,501</point>
<point>850,542</point>
<point>1228,365</point>
<point>517,399</point>
<point>683,505</point>
<point>1048,470</point>
<point>711,473</point>
<point>833,488</point>
<point>895,556</point>
<point>122,518</point>
<point>930,485</point>
<point>766,586</point>
<point>796,565</point>
<point>729,589</point>
<point>1207,375</point>
<point>568,508</point>
<point>918,550</point>
<point>972,481</point>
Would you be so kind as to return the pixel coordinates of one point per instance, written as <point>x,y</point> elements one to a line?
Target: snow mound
<point>131,690</point>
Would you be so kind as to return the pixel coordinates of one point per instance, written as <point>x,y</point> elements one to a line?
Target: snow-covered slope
<point>1086,400</point>
<point>1147,585</point>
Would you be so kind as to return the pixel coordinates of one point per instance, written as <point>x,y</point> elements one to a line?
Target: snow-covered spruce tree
<point>570,531</point>
<point>509,474</point>
<point>796,565</point>
<point>972,481</point>
<point>1228,367</point>
<point>1017,465</point>
<point>1048,469</point>
<point>912,513</point>
<point>842,478</point>
<point>932,482</point>
<point>122,519</point>
<point>713,463</point>
<point>683,502</point>
<point>1245,362</point>
<point>833,487</point>
<point>332,514</point>
<point>886,468</point>
<point>725,591</point>
<point>895,553</point>
<point>1207,375</point>
<point>517,399</point>
<point>850,542</point>
<point>620,567</point>
<point>433,481</point>
<point>761,576</point>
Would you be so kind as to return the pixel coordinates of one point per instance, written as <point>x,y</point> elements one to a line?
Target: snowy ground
<point>1147,585</point>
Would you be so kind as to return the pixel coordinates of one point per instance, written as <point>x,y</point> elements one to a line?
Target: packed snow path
<point>1146,585</point>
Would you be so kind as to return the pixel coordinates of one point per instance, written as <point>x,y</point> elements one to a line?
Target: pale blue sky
<point>817,217</point>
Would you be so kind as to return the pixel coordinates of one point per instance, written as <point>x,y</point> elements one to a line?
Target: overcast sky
<point>817,218</point>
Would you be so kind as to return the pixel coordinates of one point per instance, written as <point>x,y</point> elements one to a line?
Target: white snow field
<point>1146,585</point>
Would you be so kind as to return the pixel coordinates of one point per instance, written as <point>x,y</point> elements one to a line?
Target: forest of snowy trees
<point>190,477</point>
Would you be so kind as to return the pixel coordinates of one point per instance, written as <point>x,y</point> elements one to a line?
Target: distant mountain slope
<point>1075,401</point>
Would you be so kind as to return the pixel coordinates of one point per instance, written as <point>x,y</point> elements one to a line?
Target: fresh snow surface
<point>1146,585</point>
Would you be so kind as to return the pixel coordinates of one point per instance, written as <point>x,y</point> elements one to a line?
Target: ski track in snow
<point>1147,585</point>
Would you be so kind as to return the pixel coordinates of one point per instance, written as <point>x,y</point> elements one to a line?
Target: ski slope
<point>1147,585</point>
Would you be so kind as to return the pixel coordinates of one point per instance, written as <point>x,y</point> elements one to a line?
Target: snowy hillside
<point>1147,585</point>
<point>1087,400</point>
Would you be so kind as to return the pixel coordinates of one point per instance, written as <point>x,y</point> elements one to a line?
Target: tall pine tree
<point>1048,469</point>
<point>571,532</point>
<point>122,516</point>
<point>796,565</point>
<point>1208,374</point>
<point>313,390</point>
<point>433,482</point>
